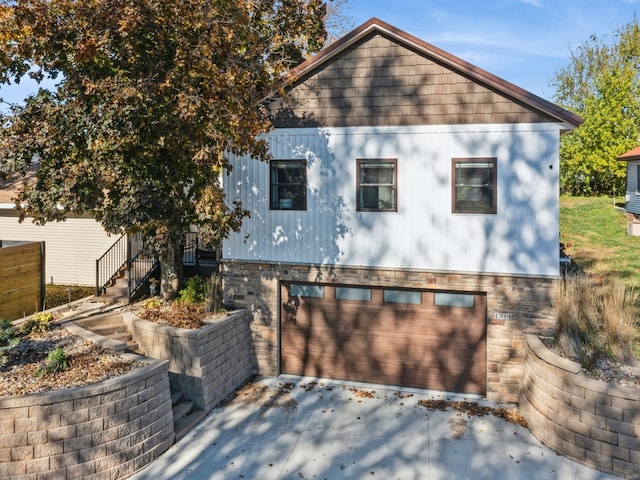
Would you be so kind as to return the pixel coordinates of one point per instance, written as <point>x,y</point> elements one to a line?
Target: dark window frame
<point>275,201</point>
<point>637,179</point>
<point>492,186</point>
<point>359,185</point>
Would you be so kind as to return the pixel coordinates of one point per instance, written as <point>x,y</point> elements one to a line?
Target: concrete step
<point>110,326</point>
<point>185,424</point>
<point>99,320</point>
<point>109,330</point>
<point>181,409</point>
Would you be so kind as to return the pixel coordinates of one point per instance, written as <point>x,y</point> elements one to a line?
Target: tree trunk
<point>171,270</point>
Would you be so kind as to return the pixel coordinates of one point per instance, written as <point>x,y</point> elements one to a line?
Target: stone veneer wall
<point>206,364</point>
<point>105,431</point>
<point>255,286</point>
<point>591,421</point>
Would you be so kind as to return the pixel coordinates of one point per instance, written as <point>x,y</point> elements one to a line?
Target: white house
<point>406,230</point>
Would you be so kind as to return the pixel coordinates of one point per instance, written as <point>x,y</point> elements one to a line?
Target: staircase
<point>111,327</point>
<point>116,337</point>
<point>185,416</point>
<point>127,259</point>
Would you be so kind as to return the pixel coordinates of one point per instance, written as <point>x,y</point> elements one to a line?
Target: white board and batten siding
<point>522,238</point>
<point>71,247</point>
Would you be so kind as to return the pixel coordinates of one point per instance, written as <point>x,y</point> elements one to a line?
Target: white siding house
<point>406,230</point>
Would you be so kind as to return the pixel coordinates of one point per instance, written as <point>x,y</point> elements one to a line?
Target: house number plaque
<point>502,316</point>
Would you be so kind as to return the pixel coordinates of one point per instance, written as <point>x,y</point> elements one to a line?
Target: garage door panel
<point>423,346</point>
<point>382,342</point>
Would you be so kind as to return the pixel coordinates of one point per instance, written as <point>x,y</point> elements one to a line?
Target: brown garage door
<point>412,338</point>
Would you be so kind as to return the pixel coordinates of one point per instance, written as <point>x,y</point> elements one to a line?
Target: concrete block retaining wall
<point>206,364</point>
<point>105,431</point>
<point>526,301</point>
<point>593,422</point>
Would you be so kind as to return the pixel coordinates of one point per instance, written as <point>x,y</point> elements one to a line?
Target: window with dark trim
<point>474,185</point>
<point>637,179</point>
<point>377,185</point>
<point>288,184</point>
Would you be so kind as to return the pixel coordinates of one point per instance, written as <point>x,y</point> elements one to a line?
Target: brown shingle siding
<point>378,81</point>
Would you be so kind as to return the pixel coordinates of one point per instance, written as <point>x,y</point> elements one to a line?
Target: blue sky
<point>522,41</point>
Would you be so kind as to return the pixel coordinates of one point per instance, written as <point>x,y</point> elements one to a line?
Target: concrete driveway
<point>292,428</point>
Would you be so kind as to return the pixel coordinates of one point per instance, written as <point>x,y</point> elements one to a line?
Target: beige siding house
<point>71,247</point>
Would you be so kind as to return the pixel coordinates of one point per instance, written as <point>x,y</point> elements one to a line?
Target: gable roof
<point>630,155</point>
<point>477,75</point>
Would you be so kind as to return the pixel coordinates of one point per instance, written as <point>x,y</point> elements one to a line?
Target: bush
<point>194,291</point>
<point>39,322</point>
<point>595,322</point>
<point>56,362</point>
<point>8,338</point>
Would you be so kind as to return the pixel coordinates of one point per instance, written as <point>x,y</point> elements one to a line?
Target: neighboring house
<point>632,196</point>
<point>406,231</point>
<point>71,247</point>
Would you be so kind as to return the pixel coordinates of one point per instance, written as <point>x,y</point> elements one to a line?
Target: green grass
<point>57,295</point>
<point>594,232</point>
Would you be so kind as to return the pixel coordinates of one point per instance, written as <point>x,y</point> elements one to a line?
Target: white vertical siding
<point>521,239</point>
<point>71,247</point>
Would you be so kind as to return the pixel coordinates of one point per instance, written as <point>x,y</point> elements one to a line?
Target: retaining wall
<point>206,364</point>
<point>593,422</point>
<point>106,430</point>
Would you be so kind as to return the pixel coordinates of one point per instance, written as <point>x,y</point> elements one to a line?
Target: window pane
<point>353,293</point>
<point>376,185</point>
<point>288,185</point>
<point>474,186</point>
<point>453,300</point>
<point>402,296</point>
<point>306,291</point>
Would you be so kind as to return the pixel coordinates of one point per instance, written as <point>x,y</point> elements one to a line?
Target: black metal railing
<point>139,270</point>
<point>128,253</point>
<point>110,264</point>
<point>198,253</point>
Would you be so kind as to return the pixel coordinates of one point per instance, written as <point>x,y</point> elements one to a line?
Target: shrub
<point>8,338</point>
<point>595,321</point>
<point>39,322</point>
<point>194,291</point>
<point>56,362</point>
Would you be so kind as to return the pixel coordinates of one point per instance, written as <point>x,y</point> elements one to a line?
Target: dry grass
<point>596,320</point>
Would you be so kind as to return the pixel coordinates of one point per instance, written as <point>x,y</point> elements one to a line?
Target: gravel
<point>88,363</point>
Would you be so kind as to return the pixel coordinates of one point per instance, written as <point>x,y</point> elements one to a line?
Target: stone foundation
<point>593,422</point>
<point>516,306</point>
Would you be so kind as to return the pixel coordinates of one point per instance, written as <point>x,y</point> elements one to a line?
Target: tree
<point>152,97</point>
<point>602,85</point>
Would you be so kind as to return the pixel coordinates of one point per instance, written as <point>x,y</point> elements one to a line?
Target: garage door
<point>413,338</point>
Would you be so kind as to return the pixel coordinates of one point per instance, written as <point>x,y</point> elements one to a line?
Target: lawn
<point>594,231</point>
<point>57,295</point>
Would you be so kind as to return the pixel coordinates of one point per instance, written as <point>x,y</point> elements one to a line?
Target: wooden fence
<point>21,278</point>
